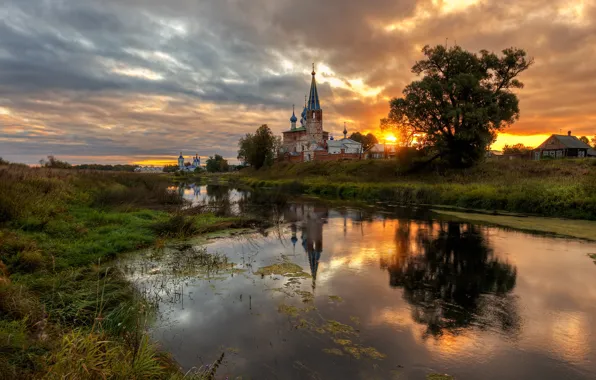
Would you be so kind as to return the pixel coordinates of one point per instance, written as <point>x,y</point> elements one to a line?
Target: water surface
<point>424,295</point>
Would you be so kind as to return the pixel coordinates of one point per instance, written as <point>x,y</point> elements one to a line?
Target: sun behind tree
<point>461,102</point>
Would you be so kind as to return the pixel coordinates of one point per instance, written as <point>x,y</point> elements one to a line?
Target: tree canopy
<point>368,141</point>
<point>517,149</point>
<point>585,140</point>
<point>259,149</point>
<point>216,164</point>
<point>593,141</point>
<point>461,102</point>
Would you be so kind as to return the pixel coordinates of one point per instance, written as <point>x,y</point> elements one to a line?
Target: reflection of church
<point>310,220</point>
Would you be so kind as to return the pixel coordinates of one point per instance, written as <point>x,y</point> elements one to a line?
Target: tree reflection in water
<point>452,278</point>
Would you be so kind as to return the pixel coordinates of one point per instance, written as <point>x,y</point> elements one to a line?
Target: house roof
<point>564,141</point>
<point>342,142</point>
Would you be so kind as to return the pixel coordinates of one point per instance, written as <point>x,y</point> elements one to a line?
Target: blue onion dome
<point>304,113</point>
<point>293,119</point>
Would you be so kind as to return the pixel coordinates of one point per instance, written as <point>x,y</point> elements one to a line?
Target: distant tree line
<point>517,149</point>
<point>54,163</point>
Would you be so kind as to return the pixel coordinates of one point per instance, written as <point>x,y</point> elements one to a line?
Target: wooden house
<point>560,146</point>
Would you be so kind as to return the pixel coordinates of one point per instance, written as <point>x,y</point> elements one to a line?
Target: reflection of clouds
<point>570,335</point>
<point>555,293</point>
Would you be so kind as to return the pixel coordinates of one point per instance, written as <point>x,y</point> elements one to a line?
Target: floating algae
<point>291,311</point>
<point>356,320</point>
<point>357,351</point>
<point>283,269</point>
<point>307,297</point>
<point>592,256</point>
<point>333,351</point>
<point>343,342</point>
<point>438,376</point>
<point>337,299</point>
<point>335,328</point>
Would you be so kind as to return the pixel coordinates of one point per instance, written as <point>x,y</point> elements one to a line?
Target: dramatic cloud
<point>141,80</point>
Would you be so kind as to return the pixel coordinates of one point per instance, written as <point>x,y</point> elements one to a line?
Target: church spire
<point>313,100</point>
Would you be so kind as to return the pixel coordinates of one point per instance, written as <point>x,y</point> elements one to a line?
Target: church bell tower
<point>314,113</point>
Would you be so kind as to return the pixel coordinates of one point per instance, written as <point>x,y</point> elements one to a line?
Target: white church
<point>196,163</point>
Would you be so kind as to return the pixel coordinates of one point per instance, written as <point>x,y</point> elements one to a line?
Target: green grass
<point>556,188</point>
<point>65,311</point>
<point>583,229</point>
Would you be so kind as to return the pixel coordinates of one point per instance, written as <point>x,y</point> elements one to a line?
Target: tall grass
<point>64,313</point>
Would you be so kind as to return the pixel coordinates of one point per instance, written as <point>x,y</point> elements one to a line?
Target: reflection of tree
<point>218,198</point>
<point>268,205</point>
<point>452,278</point>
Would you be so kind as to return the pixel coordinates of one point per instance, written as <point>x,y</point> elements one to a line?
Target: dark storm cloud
<point>140,78</point>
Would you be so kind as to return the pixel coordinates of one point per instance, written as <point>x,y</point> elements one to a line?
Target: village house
<point>380,151</point>
<point>560,146</point>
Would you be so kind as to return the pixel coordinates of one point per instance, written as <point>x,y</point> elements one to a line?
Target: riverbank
<point>554,188</point>
<point>65,311</point>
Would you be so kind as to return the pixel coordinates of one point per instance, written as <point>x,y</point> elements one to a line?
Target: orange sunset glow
<point>194,78</point>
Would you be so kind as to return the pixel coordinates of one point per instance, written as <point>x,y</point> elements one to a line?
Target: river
<point>383,292</point>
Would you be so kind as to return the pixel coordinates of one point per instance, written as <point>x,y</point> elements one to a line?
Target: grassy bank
<point>65,312</point>
<point>583,229</point>
<point>556,188</point>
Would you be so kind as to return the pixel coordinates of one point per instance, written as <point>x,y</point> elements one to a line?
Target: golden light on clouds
<point>449,6</point>
<point>511,139</point>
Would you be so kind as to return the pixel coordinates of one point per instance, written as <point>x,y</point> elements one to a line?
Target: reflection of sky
<point>552,306</point>
<point>199,195</point>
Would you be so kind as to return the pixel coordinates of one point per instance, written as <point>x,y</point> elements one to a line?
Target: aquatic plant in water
<point>283,269</point>
<point>438,376</point>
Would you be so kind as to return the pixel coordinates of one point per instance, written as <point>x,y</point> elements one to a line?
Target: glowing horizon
<point>141,92</point>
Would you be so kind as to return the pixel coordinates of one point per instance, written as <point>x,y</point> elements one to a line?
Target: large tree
<point>461,102</point>
<point>584,139</point>
<point>258,149</point>
<point>368,141</point>
<point>216,164</point>
<point>593,141</point>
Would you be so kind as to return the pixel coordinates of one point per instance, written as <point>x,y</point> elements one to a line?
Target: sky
<point>139,81</point>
